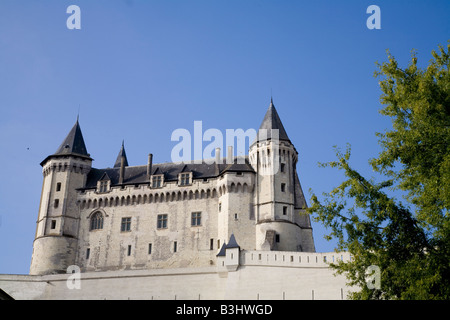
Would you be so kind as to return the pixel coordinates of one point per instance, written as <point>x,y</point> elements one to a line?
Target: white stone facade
<point>249,275</point>
<point>169,215</point>
<point>234,229</point>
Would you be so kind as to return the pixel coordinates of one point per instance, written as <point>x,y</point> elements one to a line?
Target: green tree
<point>410,242</point>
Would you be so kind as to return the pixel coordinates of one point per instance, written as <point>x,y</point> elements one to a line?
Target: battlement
<point>290,259</point>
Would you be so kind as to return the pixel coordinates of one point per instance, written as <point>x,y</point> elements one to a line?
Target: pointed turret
<point>232,243</point>
<point>272,121</point>
<point>65,171</point>
<point>279,200</point>
<point>119,157</point>
<point>72,145</point>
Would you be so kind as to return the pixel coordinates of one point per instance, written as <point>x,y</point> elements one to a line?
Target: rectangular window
<point>53,226</point>
<point>149,248</point>
<point>211,244</point>
<point>284,211</point>
<point>126,224</point>
<point>162,221</point>
<point>185,179</point>
<point>103,186</point>
<point>88,253</point>
<point>58,186</point>
<point>277,238</point>
<point>156,181</point>
<point>196,219</point>
<point>282,167</point>
<point>174,246</point>
<point>56,204</point>
<point>235,216</point>
<point>129,250</point>
<point>283,187</point>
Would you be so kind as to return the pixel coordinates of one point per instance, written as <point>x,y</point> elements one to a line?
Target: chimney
<point>217,155</point>
<point>149,166</point>
<point>122,169</point>
<point>230,155</point>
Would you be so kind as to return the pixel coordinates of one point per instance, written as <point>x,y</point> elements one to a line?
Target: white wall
<point>272,277</point>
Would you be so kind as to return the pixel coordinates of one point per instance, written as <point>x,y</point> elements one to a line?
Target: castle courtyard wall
<point>264,275</point>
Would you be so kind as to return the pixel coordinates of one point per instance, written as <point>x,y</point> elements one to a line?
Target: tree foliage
<point>410,242</point>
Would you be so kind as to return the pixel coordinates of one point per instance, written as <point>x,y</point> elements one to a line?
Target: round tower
<point>55,244</point>
<point>281,223</point>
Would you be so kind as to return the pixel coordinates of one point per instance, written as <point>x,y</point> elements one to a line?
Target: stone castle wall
<point>258,275</point>
<point>180,244</point>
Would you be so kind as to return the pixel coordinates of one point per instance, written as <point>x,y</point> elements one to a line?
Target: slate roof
<point>232,243</point>
<point>272,121</point>
<point>138,174</point>
<point>222,251</point>
<point>73,145</point>
<point>119,157</point>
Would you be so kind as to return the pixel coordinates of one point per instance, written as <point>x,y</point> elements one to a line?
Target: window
<point>211,244</point>
<point>96,221</point>
<point>196,219</point>
<point>58,186</point>
<point>88,253</point>
<point>162,221</point>
<point>283,187</point>
<point>129,250</point>
<point>174,246</point>
<point>277,238</point>
<point>157,181</point>
<point>103,186</point>
<point>185,179</point>
<point>220,206</point>
<point>56,204</point>
<point>282,167</point>
<point>53,225</point>
<point>126,224</point>
<point>235,216</point>
<point>284,211</point>
<point>149,248</point>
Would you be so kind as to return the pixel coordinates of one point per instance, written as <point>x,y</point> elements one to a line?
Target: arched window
<point>97,221</point>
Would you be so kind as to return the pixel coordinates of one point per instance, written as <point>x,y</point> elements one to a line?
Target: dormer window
<point>103,187</point>
<point>185,178</point>
<point>104,184</point>
<point>157,181</point>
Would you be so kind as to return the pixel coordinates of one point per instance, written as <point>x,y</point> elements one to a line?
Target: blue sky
<point>138,70</point>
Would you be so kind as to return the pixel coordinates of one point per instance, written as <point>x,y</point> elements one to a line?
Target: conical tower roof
<point>232,242</point>
<point>272,121</point>
<point>72,145</point>
<point>119,157</point>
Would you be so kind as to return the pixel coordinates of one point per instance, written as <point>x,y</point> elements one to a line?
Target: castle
<point>188,225</point>
<point>169,214</point>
